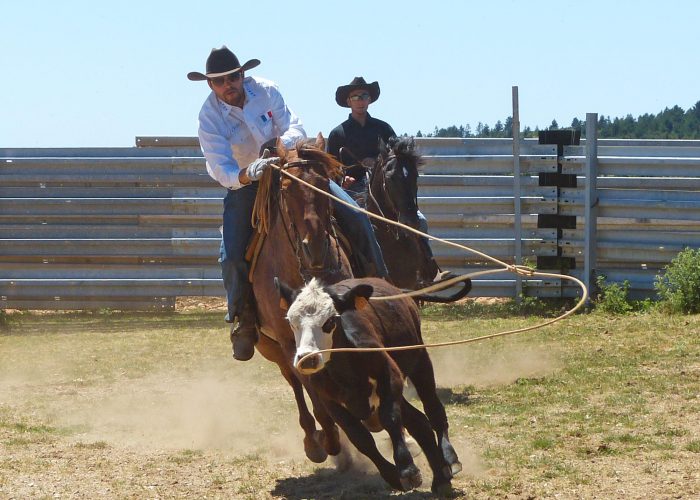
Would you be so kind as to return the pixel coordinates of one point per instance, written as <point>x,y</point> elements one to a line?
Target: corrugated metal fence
<point>134,228</point>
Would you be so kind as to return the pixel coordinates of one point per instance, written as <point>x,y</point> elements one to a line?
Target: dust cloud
<point>197,410</point>
<point>234,408</point>
<point>485,366</point>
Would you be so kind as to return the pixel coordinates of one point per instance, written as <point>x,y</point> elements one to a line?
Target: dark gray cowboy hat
<point>221,62</point>
<point>357,83</point>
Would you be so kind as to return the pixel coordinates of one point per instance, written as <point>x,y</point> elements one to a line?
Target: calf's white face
<point>313,319</point>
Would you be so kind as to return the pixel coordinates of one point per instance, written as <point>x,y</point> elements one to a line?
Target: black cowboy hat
<point>222,62</point>
<point>357,83</point>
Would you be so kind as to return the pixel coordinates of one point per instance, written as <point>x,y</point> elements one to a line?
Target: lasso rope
<point>517,269</point>
<point>260,218</point>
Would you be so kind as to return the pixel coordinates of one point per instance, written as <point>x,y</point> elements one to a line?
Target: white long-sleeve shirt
<point>231,137</point>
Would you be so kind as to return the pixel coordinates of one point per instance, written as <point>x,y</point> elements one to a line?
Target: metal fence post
<point>517,194</point>
<point>591,201</point>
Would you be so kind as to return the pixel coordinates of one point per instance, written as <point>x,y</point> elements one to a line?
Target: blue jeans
<point>423,228</point>
<point>422,223</point>
<point>358,229</point>
<point>238,208</point>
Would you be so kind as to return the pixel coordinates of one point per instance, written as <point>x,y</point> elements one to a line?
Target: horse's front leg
<point>329,437</point>
<point>272,351</point>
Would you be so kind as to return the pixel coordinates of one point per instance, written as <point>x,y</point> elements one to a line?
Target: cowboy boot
<point>244,332</point>
<point>433,268</point>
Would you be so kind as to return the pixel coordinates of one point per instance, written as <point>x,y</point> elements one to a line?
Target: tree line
<point>671,123</point>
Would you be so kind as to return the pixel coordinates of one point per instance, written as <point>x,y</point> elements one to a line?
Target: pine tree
<point>671,123</point>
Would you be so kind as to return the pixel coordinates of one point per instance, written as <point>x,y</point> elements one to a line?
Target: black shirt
<point>363,142</point>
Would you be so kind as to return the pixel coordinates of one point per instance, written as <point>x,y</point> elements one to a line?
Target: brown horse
<point>393,194</point>
<point>300,244</point>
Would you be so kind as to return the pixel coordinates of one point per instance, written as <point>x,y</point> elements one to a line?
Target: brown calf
<point>364,391</point>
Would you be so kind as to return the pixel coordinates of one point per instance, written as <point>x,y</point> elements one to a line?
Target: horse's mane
<point>405,149</point>
<point>307,150</point>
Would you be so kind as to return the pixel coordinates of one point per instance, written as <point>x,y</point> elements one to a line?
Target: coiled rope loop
<point>513,268</point>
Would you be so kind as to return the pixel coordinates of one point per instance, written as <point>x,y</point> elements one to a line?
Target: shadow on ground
<point>326,484</point>
<point>449,395</point>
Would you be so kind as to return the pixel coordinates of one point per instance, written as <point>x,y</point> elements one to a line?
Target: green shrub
<point>679,287</point>
<point>612,297</point>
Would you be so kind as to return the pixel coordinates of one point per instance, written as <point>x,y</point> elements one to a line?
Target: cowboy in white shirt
<point>239,118</point>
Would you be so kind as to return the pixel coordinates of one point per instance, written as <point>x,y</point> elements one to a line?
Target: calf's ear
<point>287,294</point>
<point>356,298</point>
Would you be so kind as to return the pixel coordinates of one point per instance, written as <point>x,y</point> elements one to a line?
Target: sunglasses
<point>220,80</point>
<point>360,97</point>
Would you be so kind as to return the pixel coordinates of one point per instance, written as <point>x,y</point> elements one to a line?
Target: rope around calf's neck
<point>517,269</point>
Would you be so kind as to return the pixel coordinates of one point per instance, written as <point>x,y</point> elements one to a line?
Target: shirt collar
<point>356,123</point>
<point>224,107</point>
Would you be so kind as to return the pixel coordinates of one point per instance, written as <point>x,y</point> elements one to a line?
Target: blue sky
<point>92,73</point>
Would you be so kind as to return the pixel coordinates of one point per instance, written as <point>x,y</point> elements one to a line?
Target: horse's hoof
<point>451,457</point>
<point>313,449</point>
<point>316,454</point>
<point>411,478</point>
<point>330,443</point>
<point>442,489</point>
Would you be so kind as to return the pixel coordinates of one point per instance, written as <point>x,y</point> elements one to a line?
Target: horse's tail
<point>446,299</point>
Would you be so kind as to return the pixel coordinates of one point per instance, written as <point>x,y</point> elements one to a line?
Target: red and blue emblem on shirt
<point>267,116</point>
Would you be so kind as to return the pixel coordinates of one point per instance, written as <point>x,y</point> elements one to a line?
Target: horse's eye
<point>329,325</point>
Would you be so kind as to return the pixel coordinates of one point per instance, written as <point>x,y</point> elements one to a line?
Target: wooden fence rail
<point>134,228</point>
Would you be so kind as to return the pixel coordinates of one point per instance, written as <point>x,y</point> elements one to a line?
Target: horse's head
<point>308,211</point>
<point>398,166</point>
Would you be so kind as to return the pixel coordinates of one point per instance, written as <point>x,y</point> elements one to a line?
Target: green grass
<point>616,371</point>
<point>186,456</point>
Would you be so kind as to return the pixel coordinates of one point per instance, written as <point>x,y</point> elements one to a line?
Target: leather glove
<point>256,169</point>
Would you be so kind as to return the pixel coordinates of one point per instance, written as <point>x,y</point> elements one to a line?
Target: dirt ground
<point>185,436</point>
<point>210,431</point>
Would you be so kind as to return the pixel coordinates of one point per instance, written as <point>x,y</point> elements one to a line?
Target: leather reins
<point>296,241</point>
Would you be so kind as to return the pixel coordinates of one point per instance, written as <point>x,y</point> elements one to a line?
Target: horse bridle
<point>358,163</point>
<point>296,241</point>
<point>377,170</point>
<point>380,166</point>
